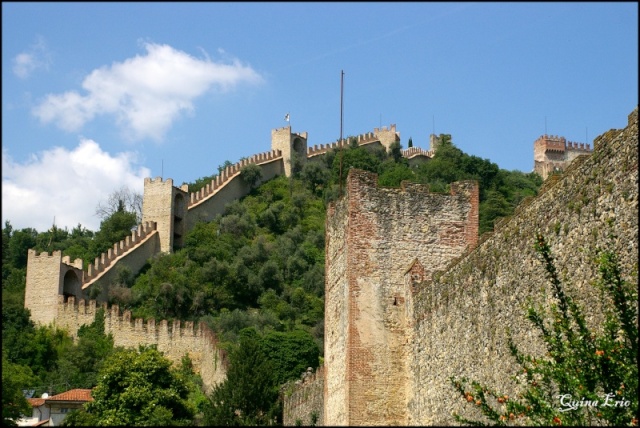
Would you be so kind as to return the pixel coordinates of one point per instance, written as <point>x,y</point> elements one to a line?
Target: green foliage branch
<point>586,378</point>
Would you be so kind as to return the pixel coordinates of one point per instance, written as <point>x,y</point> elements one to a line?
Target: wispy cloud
<point>36,57</point>
<point>70,184</point>
<point>145,94</point>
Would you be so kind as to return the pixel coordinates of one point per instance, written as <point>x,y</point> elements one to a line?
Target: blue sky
<point>97,96</point>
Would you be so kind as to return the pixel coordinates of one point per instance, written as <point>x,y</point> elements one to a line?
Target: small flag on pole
<point>286,117</point>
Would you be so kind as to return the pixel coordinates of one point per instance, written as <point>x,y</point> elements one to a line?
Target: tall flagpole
<point>341,119</point>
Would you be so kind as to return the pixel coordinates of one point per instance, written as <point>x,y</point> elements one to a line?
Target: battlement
<point>158,180</point>
<point>173,338</point>
<point>361,139</point>
<point>391,128</point>
<point>412,152</point>
<point>551,143</point>
<point>324,148</point>
<point>102,262</point>
<point>578,146</point>
<point>44,254</point>
<point>228,173</point>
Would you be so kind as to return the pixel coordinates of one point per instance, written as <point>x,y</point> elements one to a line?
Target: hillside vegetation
<point>255,274</point>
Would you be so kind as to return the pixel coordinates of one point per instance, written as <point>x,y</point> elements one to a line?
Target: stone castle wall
<point>304,400</point>
<point>462,315</point>
<point>174,339</point>
<point>51,275</point>
<point>228,187</point>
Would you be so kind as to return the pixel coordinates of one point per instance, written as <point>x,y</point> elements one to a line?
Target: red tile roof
<point>36,402</point>
<point>73,395</point>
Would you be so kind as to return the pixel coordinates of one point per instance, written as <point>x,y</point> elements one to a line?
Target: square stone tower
<point>167,206</point>
<point>372,235</point>
<point>292,146</point>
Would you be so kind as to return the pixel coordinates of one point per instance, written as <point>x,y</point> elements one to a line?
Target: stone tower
<point>292,146</point>
<point>50,276</point>
<point>552,153</point>
<point>387,136</point>
<point>166,205</point>
<point>372,235</point>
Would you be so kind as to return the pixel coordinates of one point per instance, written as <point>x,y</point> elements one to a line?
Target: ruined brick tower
<point>553,154</point>
<point>373,237</point>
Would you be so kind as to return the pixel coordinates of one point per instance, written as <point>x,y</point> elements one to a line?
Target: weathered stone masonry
<point>462,315</point>
<point>456,318</point>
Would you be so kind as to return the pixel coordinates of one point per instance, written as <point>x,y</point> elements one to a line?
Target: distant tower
<point>292,146</point>
<point>552,153</point>
<point>434,140</point>
<point>167,206</point>
<point>387,136</point>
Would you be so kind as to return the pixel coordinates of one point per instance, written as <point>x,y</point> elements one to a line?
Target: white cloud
<point>37,57</point>
<point>66,184</point>
<point>145,93</point>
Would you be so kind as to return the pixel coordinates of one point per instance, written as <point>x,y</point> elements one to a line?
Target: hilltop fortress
<point>60,292</point>
<point>412,294</point>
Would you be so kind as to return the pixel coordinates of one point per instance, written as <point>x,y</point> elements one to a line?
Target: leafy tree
<point>493,208</point>
<point>80,365</point>
<point>113,229</point>
<point>249,395</point>
<point>358,157</point>
<point>14,405</point>
<point>315,176</point>
<point>581,365</point>
<point>395,174</point>
<point>251,174</point>
<point>395,151</point>
<point>291,353</point>
<point>135,388</point>
<point>17,244</point>
<point>224,165</point>
<point>410,143</point>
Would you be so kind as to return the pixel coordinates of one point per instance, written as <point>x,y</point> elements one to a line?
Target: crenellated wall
<point>383,137</point>
<point>50,276</point>
<point>230,186</point>
<point>168,213</point>
<point>174,339</point>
